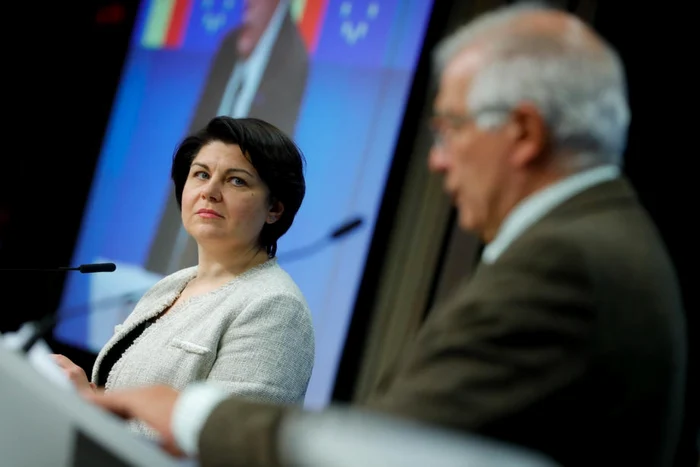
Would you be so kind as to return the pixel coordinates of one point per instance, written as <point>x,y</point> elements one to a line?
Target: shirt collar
<point>537,205</point>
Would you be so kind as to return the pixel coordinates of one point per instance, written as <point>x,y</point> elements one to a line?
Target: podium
<point>347,437</point>
<point>45,425</point>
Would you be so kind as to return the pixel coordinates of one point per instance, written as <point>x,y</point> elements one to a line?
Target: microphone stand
<point>41,328</point>
<point>304,251</point>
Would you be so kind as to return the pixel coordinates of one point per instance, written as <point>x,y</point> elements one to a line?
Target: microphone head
<point>347,227</point>
<point>97,267</point>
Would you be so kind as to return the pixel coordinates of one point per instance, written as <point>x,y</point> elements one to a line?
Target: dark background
<point>60,80</point>
<point>61,72</point>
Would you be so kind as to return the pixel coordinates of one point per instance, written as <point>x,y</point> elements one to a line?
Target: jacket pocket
<point>190,347</point>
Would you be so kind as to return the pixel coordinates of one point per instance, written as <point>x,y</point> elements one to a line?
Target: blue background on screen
<point>347,128</point>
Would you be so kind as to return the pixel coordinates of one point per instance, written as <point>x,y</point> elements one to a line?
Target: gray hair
<point>579,89</point>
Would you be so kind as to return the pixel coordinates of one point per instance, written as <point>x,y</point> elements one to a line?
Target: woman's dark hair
<point>278,161</point>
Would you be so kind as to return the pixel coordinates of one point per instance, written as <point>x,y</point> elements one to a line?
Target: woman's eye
<point>238,181</point>
<point>202,175</point>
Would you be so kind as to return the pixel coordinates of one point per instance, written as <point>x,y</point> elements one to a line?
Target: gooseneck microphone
<point>346,228</point>
<point>43,326</point>
<point>83,268</point>
<point>339,232</point>
<point>94,267</point>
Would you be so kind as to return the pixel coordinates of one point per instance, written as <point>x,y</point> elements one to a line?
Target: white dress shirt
<point>537,205</point>
<point>236,103</point>
<point>192,409</point>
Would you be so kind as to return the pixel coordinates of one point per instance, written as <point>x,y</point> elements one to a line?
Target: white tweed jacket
<point>253,336</point>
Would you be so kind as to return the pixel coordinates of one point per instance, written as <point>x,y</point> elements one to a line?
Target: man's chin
<point>245,43</point>
<point>467,222</point>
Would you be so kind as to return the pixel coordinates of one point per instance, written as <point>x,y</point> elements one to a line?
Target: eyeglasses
<point>444,127</point>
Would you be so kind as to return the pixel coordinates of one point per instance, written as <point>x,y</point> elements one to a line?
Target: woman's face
<point>225,204</point>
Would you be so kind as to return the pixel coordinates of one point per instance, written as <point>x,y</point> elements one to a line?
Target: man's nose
<point>437,159</point>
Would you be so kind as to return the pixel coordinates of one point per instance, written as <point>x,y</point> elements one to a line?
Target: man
<point>260,70</point>
<point>569,338</point>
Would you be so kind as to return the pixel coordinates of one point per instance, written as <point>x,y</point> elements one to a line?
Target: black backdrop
<point>652,41</point>
<point>60,76</point>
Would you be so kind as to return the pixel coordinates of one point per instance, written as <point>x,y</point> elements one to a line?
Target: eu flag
<point>210,21</point>
<point>356,32</point>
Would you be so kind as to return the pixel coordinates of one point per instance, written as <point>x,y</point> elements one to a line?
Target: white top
<point>252,337</point>
<point>537,205</point>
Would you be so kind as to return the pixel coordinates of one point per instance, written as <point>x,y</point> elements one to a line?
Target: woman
<point>236,318</point>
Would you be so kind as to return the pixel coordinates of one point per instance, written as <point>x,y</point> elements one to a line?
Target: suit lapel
<point>614,194</point>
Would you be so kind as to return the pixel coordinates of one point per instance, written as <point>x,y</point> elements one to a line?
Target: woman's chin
<point>206,233</point>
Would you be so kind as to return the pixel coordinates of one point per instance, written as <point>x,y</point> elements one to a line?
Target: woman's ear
<point>275,212</point>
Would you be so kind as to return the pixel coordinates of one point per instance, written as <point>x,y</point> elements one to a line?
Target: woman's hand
<point>74,373</point>
<point>154,405</point>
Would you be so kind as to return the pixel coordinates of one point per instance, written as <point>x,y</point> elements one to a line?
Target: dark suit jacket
<point>277,100</point>
<point>571,343</point>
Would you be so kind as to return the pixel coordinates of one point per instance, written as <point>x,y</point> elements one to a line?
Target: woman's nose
<point>211,191</point>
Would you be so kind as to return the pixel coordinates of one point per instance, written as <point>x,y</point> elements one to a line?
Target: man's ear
<point>531,135</point>
<point>275,212</point>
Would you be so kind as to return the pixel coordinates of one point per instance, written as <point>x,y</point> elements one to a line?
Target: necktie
<point>235,96</point>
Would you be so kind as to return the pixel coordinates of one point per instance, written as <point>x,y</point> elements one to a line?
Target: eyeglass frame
<point>457,122</point>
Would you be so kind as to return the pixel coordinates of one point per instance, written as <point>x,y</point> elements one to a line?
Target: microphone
<point>346,228</point>
<point>339,232</point>
<point>44,325</point>
<point>83,268</point>
<point>94,267</point>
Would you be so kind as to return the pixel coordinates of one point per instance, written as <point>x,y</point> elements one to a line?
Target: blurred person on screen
<point>236,319</point>
<point>569,337</point>
<point>259,70</point>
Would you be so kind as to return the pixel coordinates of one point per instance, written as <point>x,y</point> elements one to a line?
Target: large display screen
<point>334,74</point>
